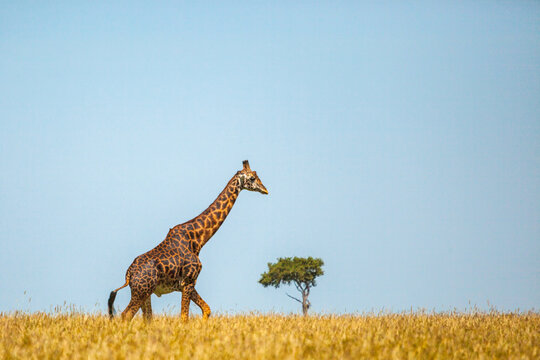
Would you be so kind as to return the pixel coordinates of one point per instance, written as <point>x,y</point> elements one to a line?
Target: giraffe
<point>174,264</point>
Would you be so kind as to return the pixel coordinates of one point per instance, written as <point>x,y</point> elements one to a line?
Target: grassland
<point>385,336</point>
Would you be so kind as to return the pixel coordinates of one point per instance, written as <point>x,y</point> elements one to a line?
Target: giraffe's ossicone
<point>174,264</point>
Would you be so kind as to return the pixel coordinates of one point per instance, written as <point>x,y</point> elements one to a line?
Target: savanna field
<point>253,336</point>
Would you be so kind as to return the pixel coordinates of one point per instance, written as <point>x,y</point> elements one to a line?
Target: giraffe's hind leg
<point>197,299</point>
<point>142,285</point>
<point>146,307</point>
<point>132,308</point>
<point>138,300</point>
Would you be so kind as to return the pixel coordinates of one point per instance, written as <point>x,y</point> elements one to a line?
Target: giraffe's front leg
<point>147,308</point>
<point>197,299</point>
<point>187,292</point>
<point>190,272</point>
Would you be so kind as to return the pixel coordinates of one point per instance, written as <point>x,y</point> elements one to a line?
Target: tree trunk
<point>305,302</point>
<point>305,293</point>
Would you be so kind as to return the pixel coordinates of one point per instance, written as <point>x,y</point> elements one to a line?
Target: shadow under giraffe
<point>174,264</point>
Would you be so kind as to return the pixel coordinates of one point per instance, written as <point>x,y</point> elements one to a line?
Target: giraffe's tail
<point>112,297</point>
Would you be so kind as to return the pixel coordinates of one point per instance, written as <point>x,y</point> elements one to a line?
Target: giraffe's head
<point>249,180</point>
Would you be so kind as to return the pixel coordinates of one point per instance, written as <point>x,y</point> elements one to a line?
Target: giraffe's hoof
<point>206,313</point>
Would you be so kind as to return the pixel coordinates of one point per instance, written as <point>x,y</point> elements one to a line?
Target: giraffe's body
<point>174,264</point>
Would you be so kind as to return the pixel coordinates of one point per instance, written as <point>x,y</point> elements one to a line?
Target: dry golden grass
<point>387,336</point>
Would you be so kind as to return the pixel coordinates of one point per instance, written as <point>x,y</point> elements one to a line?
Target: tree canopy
<point>301,271</point>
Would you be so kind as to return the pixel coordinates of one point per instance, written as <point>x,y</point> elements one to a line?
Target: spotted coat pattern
<point>174,264</point>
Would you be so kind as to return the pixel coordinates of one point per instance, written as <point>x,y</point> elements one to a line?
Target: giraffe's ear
<point>246,165</point>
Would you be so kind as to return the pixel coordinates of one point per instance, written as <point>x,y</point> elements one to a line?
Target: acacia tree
<point>299,271</point>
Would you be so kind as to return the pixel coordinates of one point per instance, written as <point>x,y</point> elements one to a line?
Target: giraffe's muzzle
<point>262,189</point>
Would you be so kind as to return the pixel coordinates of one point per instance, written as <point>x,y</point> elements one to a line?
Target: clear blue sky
<point>399,142</point>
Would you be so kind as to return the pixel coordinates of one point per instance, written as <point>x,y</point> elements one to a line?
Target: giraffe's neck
<point>211,219</point>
